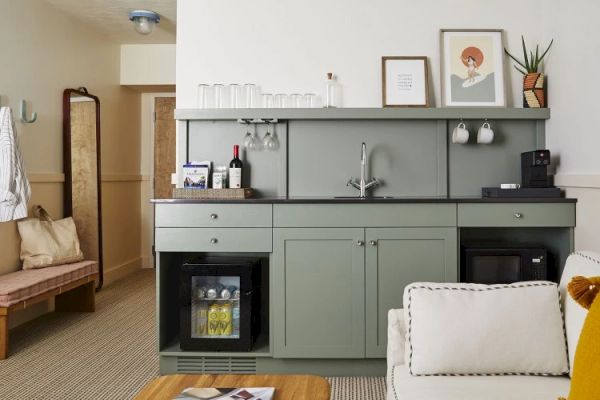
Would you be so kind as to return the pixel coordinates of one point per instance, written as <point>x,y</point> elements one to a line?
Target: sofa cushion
<point>584,264</point>
<point>26,284</point>
<point>473,329</point>
<point>404,386</point>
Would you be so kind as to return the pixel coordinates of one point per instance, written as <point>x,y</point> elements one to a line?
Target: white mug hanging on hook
<point>460,134</point>
<point>485,135</point>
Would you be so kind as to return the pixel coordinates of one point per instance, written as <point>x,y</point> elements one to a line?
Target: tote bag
<point>45,242</point>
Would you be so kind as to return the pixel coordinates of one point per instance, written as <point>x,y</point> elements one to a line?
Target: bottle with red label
<point>235,169</point>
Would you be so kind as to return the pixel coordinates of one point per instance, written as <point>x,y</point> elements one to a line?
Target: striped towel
<point>14,186</point>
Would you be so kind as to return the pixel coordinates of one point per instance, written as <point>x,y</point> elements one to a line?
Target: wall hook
<point>24,118</point>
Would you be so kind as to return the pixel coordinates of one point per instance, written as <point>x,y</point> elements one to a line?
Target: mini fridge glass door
<point>215,307</point>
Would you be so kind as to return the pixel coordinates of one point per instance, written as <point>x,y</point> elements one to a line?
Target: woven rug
<point>110,354</point>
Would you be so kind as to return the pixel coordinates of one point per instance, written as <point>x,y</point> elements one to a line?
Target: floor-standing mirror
<point>81,144</point>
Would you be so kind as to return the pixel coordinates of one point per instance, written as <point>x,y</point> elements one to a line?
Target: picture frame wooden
<point>470,85</point>
<point>404,81</point>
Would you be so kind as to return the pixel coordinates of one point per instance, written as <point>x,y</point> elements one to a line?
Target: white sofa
<point>401,385</point>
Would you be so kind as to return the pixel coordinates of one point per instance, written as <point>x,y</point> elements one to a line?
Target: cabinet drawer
<point>213,215</point>
<point>363,215</point>
<point>255,240</point>
<point>516,214</point>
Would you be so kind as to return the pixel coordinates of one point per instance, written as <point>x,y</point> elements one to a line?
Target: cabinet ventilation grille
<point>216,365</point>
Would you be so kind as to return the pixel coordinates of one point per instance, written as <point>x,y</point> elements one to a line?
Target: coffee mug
<point>485,135</point>
<point>460,134</point>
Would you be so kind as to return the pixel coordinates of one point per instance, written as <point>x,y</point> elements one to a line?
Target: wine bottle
<point>235,169</point>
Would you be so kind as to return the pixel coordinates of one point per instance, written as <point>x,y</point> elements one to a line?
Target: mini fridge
<point>219,304</point>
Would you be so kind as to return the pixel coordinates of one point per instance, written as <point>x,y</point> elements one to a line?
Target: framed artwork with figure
<point>472,63</point>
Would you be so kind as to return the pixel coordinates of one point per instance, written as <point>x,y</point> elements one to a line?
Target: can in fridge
<point>228,292</point>
<point>214,292</point>
<point>225,319</point>
<point>214,323</point>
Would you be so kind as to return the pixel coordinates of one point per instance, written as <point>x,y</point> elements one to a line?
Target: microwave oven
<point>503,264</point>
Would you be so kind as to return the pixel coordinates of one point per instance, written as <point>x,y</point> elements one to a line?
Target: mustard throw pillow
<point>585,383</point>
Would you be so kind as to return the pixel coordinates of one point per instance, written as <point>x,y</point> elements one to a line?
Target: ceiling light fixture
<point>144,20</point>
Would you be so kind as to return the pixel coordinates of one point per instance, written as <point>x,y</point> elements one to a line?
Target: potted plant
<point>534,82</point>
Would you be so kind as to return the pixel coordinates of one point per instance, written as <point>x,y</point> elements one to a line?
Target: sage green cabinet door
<point>318,291</point>
<point>396,257</point>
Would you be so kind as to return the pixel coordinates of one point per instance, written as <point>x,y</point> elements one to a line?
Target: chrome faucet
<point>362,184</point>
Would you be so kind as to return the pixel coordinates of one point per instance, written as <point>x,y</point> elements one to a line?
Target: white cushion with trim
<point>464,328</point>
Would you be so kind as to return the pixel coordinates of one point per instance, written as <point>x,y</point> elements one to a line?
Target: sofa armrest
<point>396,337</point>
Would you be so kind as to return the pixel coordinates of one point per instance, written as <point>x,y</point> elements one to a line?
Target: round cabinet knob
<point>373,243</point>
<point>518,215</point>
<point>360,242</point>
<point>214,240</point>
<point>214,216</point>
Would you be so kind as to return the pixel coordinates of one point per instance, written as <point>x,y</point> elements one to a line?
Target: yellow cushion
<point>585,381</point>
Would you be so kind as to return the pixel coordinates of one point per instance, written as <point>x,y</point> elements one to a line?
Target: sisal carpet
<point>110,354</point>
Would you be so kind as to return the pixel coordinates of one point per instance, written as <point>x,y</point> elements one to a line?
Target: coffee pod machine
<point>534,169</point>
<point>535,181</point>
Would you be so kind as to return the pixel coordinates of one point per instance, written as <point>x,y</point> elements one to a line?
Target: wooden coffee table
<point>286,386</point>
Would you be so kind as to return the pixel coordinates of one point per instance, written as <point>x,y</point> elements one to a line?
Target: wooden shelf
<point>261,349</point>
<point>449,113</point>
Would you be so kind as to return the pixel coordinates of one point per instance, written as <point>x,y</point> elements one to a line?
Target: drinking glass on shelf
<point>281,100</point>
<point>236,97</point>
<point>296,100</point>
<point>219,91</point>
<point>270,142</point>
<point>267,100</point>
<point>204,96</point>
<point>310,100</point>
<point>251,91</point>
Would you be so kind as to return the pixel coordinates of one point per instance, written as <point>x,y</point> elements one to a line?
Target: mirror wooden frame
<point>67,167</point>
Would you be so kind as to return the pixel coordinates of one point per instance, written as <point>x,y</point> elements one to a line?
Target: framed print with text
<point>405,82</point>
<point>472,63</point>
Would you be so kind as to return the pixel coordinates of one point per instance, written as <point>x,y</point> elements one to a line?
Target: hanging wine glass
<point>248,139</point>
<point>269,141</point>
<point>254,143</point>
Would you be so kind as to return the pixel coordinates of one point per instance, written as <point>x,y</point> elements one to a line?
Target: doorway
<point>158,162</point>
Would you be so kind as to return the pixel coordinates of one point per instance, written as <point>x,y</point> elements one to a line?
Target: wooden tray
<point>187,193</point>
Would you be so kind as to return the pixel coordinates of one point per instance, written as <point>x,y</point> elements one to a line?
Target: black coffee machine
<point>534,169</point>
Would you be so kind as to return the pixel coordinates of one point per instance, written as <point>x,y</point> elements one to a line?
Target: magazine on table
<point>257,393</point>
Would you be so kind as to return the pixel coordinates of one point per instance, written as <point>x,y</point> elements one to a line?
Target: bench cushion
<point>26,284</point>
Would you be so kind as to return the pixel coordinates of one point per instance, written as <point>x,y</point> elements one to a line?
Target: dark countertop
<point>368,200</point>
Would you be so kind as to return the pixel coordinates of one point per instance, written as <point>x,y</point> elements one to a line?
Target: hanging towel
<point>14,186</point>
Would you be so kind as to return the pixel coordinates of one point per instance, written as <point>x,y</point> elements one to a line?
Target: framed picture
<point>472,64</point>
<point>404,82</point>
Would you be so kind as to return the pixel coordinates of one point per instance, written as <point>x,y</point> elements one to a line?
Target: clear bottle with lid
<point>333,92</point>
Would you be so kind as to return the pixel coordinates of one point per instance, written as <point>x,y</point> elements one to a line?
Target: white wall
<point>574,86</point>
<point>573,132</point>
<point>147,64</point>
<point>290,46</point>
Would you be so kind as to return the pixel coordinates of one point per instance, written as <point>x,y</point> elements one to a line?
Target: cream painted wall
<point>44,52</point>
<point>148,64</point>
<point>289,46</point>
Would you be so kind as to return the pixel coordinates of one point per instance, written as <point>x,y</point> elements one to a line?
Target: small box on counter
<point>196,174</point>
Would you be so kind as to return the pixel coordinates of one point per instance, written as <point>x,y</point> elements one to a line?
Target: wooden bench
<point>72,285</point>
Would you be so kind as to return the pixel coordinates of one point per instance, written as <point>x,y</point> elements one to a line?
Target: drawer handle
<point>360,243</point>
<point>214,240</point>
<point>518,215</point>
<point>214,216</point>
<point>373,243</point>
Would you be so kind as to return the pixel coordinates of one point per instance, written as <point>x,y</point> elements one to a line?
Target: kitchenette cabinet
<point>318,292</point>
<point>333,264</point>
<point>396,257</point>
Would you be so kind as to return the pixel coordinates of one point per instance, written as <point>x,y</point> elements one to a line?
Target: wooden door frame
<point>147,166</point>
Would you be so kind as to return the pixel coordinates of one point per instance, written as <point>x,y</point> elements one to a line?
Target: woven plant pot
<point>534,90</point>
